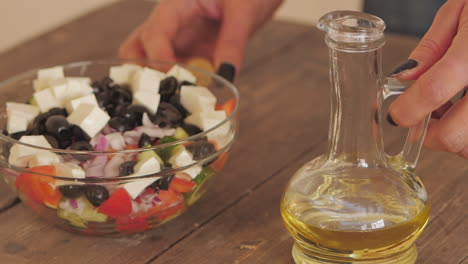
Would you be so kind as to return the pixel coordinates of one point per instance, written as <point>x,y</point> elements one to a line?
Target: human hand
<point>217,30</point>
<point>440,65</point>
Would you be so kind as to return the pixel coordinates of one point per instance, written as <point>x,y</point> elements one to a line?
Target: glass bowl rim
<point>109,62</point>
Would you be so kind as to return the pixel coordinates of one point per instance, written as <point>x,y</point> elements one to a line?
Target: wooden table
<point>284,113</point>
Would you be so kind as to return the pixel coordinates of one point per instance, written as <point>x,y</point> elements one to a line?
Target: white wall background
<point>21,20</point>
<point>309,11</point>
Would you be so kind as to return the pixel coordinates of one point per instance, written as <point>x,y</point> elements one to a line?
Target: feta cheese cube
<point>72,105</point>
<point>66,89</point>
<point>40,85</point>
<point>123,74</point>
<point>82,80</point>
<point>149,99</point>
<point>43,158</point>
<point>52,73</point>
<point>181,158</point>
<point>90,118</point>
<point>144,167</point>
<point>19,154</point>
<point>46,100</point>
<point>29,112</point>
<point>194,171</point>
<point>60,91</point>
<point>147,79</point>
<point>197,99</point>
<point>207,120</point>
<point>16,123</point>
<point>70,170</point>
<point>181,74</point>
<point>81,90</point>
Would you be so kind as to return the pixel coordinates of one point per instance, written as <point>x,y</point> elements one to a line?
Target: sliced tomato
<point>39,188</point>
<point>167,199</point>
<point>181,185</point>
<point>171,212</point>
<point>118,204</point>
<point>127,147</point>
<point>146,192</point>
<point>131,224</point>
<point>228,106</point>
<point>219,163</point>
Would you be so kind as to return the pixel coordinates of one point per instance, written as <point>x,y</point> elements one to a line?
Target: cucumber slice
<point>180,133</point>
<point>33,101</point>
<point>144,155</point>
<point>165,153</point>
<point>193,196</point>
<point>80,218</point>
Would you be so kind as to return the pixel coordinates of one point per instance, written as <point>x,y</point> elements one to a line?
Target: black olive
<point>127,168</point>
<point>201,149</point>
<point>103,98</point>
<point>187,83</point>
<point>110,109</point>
<point>167,115</point>
<point>97,88</point>
<point>56,125</point>
<point>107,81</point>
<point>71,191</point>
<point>78,133</point>
<point>168,87</point>
<point>121,96</point>
<point>145,140</point>
<point>118,123</point>
<point>102,85</point>
<point>82,146</point>
<point>164,182</point>
<point>96,194</point>
<point>175,101</point>
<point>191,129</point>
<point>160,120</point>
<point>58,111</point>
<point>38,124</point>
<point>52,141</point>
<point>18,135</point>
<point>122,111</point>
<point>138,111</point>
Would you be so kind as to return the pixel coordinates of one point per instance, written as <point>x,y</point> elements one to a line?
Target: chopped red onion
<point>101,143</point>
<point>74,204</point>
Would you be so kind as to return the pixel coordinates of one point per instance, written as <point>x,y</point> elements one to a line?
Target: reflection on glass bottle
<point>355,204</point>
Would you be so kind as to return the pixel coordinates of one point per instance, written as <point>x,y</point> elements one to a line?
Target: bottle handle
<point>408,157</point>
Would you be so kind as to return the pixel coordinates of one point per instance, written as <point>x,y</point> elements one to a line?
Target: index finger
<point>437,85</point>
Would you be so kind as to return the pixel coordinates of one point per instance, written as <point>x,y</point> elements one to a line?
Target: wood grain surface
<point>284,123</point>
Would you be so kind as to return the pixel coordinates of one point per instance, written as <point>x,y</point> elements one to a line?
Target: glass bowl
<point>99,203</point>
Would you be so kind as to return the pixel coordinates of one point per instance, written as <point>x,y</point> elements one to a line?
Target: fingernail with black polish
<point>407,65</point>
<point>227,70</point>
<point>390,120</point>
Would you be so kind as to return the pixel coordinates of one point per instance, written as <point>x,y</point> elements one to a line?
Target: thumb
<point>434,44</point>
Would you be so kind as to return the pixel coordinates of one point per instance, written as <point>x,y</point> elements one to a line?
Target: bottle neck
<point>354,135</point>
